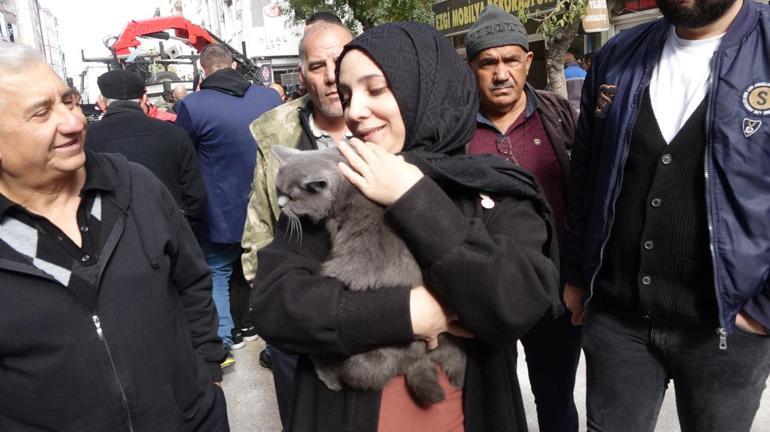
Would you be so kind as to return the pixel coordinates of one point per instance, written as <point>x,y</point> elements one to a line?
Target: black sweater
<point>657,262</point>
<point>490,266</point>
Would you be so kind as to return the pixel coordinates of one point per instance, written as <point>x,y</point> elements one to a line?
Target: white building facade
<point>260,26</point>
<point>26,22</point>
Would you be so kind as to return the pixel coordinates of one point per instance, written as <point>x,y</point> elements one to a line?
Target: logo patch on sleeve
<point>756,99</point>
<point>607,94</point>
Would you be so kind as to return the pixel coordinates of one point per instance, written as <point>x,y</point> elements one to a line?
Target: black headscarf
<point>436,93</point>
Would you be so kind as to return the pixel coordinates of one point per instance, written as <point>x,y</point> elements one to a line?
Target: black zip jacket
<point>491,266</point>
<point>162,147</point>
<point>151,366</point>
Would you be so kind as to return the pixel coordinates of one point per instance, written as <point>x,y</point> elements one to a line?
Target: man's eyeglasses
<point>505,149</point>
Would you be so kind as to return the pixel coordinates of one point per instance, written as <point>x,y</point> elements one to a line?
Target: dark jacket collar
<point>123,106</point>
<point>744,22</point>
<point>99,177</point>
<point>228,81</point>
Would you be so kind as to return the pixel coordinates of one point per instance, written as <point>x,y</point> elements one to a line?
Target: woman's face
<point>370,108</point>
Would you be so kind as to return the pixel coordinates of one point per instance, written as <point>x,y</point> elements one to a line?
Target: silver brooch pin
<point>537,141</point>
<point>486,201</point>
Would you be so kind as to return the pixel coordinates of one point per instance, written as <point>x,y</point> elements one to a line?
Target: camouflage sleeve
<point>260,215</point>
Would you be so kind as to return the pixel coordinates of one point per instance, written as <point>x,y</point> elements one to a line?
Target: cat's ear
<point>284,153</point>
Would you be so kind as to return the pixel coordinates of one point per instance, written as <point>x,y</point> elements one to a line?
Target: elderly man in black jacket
<point>107,322</point>
<point>532,129</point>
<point>162,147</point>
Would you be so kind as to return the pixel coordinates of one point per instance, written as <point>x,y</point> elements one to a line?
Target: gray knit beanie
<point>494,28</point>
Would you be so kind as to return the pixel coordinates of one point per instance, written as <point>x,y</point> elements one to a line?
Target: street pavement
<point>252,407</point>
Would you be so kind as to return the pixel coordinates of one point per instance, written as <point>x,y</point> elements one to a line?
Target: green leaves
<point>366,13</point>
<point>564,14</point>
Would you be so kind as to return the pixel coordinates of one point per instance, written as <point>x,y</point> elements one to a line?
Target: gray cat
<point>365,255</point>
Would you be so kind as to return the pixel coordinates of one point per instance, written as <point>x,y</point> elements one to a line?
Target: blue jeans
<point>220,258</point>
<point>630,360</point>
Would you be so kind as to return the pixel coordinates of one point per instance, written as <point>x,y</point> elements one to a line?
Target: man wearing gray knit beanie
<point>531,129</point>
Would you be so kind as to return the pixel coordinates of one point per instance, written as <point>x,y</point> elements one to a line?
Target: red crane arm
<point>194,35</point>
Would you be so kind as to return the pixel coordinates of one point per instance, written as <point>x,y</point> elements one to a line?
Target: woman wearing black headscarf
<point>478,227</point>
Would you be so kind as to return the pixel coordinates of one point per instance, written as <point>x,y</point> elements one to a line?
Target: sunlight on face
<point>371,110</point>
<point>43,127</point>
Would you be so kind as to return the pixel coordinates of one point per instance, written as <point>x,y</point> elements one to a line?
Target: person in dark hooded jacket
<point>479,228</point>
<point>217,119</point>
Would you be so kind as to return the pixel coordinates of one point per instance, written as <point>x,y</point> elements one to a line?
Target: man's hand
<point>573,299</point>
<point>381,176</point>
<point>749,324</point>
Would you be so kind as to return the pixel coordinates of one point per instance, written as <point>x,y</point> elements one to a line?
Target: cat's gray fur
<point>366,255</point>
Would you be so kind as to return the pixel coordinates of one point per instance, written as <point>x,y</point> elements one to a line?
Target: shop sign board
<point>454,16</point>
<point>639,5</point>
<point>597,17</point>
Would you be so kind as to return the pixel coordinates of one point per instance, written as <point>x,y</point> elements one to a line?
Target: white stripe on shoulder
<point>61,274</point>
<point>20,236</point>
<point>96,208</point>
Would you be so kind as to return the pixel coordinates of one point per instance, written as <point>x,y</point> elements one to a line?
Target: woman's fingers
<point>352,176</point>
<point>353,157</point>
<point>431,343</point>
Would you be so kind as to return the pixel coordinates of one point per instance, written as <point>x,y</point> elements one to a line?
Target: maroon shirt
<point>529,148</point>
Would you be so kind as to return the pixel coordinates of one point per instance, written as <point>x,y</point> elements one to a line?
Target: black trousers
<point>216,420</point>
<point>552,349</point>
<point>240,291</point>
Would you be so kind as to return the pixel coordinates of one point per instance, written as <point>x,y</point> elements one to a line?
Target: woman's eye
<point>378,91</point>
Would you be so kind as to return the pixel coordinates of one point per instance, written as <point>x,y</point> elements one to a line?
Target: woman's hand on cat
<point>381,176</point>
<point>430,318</point>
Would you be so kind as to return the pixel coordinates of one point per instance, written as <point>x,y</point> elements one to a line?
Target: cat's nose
<point>282,201</point>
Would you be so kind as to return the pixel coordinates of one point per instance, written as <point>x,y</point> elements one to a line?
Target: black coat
<point>490,266</point>
<point>158,351</point>
<point>163,148</point>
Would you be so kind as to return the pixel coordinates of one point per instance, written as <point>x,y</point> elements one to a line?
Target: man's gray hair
<point>314,28</point>
<point>16,58</point>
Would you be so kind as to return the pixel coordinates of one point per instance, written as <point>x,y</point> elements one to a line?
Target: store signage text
<point>457,15</point>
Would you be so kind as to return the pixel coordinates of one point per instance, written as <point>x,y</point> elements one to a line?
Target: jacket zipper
<point>626,149</point>
<point>721,331</point>
<point>103,339</point>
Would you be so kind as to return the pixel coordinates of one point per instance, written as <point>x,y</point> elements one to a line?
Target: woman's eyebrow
<point>371,77</point>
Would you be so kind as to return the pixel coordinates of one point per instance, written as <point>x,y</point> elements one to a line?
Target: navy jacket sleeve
<point>491,270</point>
<point>184,121</point>
<point>580,189</point>
<point>194,198</point>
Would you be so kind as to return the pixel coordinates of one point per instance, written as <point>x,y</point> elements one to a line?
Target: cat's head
<point>309,182</point>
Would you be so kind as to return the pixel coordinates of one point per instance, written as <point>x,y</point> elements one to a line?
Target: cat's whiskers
<point>295,227</point>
